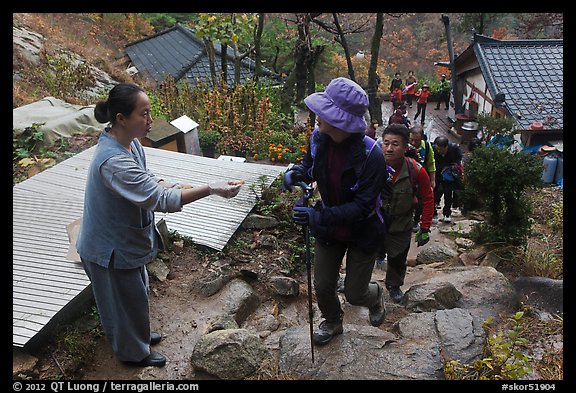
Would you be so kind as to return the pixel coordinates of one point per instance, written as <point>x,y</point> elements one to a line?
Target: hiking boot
<point>378,311</point>
<point>396,294</point>
<point>326,331</point>
<point>447,219</point>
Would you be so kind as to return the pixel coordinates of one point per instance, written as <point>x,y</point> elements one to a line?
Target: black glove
<point>291,177</point>
<point>306,216</point>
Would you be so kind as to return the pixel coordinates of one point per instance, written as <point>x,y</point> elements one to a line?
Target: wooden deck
<point>44,282</point>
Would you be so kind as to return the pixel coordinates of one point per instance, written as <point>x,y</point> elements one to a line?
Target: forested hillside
<point>410,41</point>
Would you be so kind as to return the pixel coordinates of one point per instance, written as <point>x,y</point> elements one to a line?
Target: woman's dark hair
<point>397,129</point>
<point>121,99</point>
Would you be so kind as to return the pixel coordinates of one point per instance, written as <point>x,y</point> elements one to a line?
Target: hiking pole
<point>307,191</point>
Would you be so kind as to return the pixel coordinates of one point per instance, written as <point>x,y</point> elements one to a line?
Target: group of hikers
<point>403,94</point>
<point>372,197</point>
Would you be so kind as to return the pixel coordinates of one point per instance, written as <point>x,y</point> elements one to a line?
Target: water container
<point>559,174</point>
<point>550,162</point>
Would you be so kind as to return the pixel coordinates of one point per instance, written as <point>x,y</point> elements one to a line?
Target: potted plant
<point>208,140</point>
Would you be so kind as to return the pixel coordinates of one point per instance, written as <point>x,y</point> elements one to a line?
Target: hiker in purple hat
<point>350,172</point>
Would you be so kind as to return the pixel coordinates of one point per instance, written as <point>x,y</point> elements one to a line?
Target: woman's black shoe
<point>154,359</point>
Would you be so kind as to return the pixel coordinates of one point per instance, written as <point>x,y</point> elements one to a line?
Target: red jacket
<point>423,96</point>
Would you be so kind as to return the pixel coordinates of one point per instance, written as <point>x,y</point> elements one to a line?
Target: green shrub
<point>501,127</point>
<point>502,358</point>
<point>500,178</point>
<point>66,77</point>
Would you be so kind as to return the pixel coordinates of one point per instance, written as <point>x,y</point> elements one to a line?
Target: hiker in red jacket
<point>410,182</point>
<point>422,95</point>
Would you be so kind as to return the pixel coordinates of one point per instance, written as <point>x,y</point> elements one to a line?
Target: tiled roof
<point>178,52</point>
<point>530,74</point>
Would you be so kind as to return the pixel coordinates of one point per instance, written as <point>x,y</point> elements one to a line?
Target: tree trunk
<point>209,46</point>
<point>257,53</point>
<point>287,95</point>
<point>224,62</point>
<point>344,44</point>
<point>375,104</point>
<point>311,62</point>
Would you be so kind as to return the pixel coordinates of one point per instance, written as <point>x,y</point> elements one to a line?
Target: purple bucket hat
<point>341,105</point>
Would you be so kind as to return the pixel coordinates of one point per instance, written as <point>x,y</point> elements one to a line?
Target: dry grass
<point>270,370</point>
<point>540,333</point>
<point>99,42</point>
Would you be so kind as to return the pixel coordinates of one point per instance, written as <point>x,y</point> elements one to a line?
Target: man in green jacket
<point>444,93</point>
<point>409,181</point>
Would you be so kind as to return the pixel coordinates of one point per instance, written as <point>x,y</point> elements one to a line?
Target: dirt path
<point>180,315</point>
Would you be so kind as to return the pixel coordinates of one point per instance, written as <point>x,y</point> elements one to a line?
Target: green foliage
<point>502,127</point>
<point>208,139</point>
<point>502,358</point>
<point>284,147</point>
<point>160,21</point>
<point>226,28</point>
<point>157,110</point>
<point>28,142</point>
<point>500,178</point>
<point>29,154</point>
<point>556,221</point>
<point>245,116</point>
<point>67,77</point>
<point>278,42</point>
<point>271,201</point>
<point>163,21</point>
<point>175,236</point>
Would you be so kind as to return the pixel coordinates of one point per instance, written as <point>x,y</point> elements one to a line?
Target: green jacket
<point>444,85</point>
<point>399,206</point>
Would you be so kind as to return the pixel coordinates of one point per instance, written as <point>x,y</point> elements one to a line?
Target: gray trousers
<point>122,299</point>
<point>357,287</point>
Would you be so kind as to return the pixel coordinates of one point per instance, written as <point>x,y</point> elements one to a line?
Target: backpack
<point>369,145</point>
<point>413,171</point>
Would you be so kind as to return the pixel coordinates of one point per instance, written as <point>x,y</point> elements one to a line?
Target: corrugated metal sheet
<point>43,281</point>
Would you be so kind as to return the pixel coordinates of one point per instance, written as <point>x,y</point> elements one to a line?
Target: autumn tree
<point>236,30</point>
<point>340,32</point>
<point>375,104</point>
<point>301,80</point>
